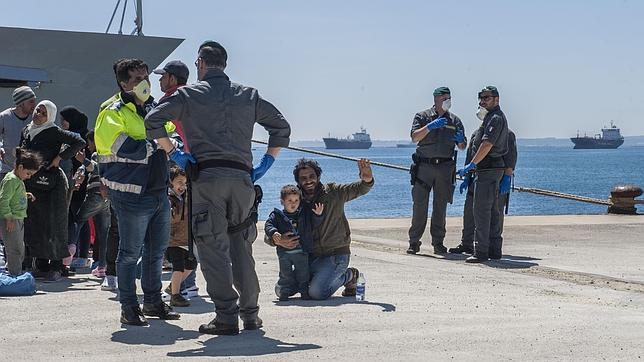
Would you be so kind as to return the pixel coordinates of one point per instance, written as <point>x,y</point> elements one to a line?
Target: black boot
<point>132,315</point>
<point>219,328</point>
<point>440,249</point>
<point>414,247</point>
<point>254,324</point>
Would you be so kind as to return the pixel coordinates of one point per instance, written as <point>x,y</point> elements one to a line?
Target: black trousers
<point>112,245</point>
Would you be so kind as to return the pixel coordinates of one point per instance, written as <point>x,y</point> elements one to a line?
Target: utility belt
<point>432,161</point>
<point>193,170</point>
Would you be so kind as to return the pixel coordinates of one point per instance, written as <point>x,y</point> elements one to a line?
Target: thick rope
<point>531,190</point>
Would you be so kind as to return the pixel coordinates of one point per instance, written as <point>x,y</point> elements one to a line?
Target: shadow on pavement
<point>510,264</point>
<point>197,306</point>
<point>333,302</point>
<point>508,261</point>
<point>159,333</point>
<point>63,285</point>
<point>250,343</point>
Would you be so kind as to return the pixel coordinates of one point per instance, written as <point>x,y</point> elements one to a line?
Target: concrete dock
<point>568,288</point>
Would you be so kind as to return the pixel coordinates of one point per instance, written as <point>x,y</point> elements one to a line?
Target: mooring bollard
<point>623,199</point>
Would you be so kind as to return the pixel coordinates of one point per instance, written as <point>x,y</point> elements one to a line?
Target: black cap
<point>174,67</point>
<point>214,44</point>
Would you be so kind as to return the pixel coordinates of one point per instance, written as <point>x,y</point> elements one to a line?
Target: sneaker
<point>110,283</point>
<point>177,300</point>
<point>460,249</point>
<point>414,247</point>
<point>133,315</point>
<point>168,289</point>
<point>80,263</point>
<point>350,287</point>
<point>53,276</point>
<point>99,272</point>
<point>160,310</point>
<point>166,297</point>
<point>190,292</point>
<point>66,272</point>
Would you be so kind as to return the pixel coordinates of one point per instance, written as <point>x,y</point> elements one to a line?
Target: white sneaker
<point>191,292</point>
<point>166,297</point>
<point>110,283</point>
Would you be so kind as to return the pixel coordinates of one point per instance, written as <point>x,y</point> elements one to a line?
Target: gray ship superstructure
<point>69,67</point>
<point>360,140</point>
<point>609,139</point>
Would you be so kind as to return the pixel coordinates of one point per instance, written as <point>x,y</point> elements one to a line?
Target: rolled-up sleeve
<point>170,108</point>
<point>267,115</point>
<point>493,129</point>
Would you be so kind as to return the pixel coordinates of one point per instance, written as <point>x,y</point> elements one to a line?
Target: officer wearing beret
<point>437,131</point>
<point>489,146</point>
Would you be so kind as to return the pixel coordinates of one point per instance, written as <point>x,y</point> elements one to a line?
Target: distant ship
<point>72,67</point>
<point>360,140</point>
<point>609,139</point>
<point>406,145</point>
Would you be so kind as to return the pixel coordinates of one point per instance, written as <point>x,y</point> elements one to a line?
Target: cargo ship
<point>610,138</point>
<point>406,145</point>
<point>358,141</point>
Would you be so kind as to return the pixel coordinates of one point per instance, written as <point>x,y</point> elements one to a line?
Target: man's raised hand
<point>364,166</point>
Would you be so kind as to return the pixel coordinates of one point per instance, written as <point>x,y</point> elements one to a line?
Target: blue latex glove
<point>437,123</point>
<point>506,184</point>
<point>470,166</point>
<point>261,169</point>
<point>464,185</point>
<point>182,158</point>
<point>459,137</point>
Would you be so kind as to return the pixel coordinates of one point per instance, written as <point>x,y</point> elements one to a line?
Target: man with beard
<point>12,121</point>
<point>329,263</point>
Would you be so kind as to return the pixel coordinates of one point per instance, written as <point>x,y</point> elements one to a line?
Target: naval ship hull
<point>340,144</point>
<point>587,143</point>
<point>72,68</point>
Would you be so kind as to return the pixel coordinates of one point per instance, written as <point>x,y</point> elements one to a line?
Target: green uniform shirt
<point>13,197</point>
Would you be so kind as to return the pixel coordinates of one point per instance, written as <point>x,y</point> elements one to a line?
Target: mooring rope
<point>531,190</point>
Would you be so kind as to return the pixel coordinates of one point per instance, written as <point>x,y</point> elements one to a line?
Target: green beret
<point>441,91</point>
<point>489,89</point>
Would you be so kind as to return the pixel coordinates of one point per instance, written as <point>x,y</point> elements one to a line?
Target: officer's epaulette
<point>116,105</point>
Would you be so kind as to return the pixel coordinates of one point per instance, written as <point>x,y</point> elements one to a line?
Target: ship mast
<point>138,21</point>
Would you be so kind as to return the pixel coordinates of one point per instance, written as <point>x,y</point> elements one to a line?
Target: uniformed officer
<point>489,147</point>
<point>218,118</point>
<point>436,130</point>
<point>467,236</point>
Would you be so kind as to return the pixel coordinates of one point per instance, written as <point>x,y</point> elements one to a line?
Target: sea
<point>591,173</point>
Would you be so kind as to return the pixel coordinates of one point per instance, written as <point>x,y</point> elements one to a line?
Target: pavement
<point>568,288</point>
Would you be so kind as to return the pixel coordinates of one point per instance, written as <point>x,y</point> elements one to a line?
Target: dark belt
<point>433,161</point>
<point>202,165</point>
<point>491,163</point>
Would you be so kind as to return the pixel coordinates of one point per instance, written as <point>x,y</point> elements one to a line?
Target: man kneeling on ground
<point>329,261</point>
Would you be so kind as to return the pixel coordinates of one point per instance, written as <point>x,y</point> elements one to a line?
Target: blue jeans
<point>294,274</point>
<point>329,273</point>
<point>94,206</point>
<point>144,225</point>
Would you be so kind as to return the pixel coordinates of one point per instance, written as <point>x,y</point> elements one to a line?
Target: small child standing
<point>177,252</point>
<point>13,207</point>
<point>295,219</point>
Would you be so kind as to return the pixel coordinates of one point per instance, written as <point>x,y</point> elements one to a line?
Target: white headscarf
<point>33,129</point>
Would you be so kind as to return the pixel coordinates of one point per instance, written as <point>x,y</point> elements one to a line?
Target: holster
<point>252,216</point>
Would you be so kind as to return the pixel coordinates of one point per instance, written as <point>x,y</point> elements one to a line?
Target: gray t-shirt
<point>10,129</point>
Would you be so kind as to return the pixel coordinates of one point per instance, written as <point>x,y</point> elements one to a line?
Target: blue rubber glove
<point>182,158</point>
<point>261,169</point>
<point>459,137</point>
<point>506,184</point>
<point>470,166</point>
<point>464,185</point>
<point>437,123</point>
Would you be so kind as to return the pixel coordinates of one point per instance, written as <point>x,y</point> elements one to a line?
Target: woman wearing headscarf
<point>46,233</point>
<point>74,120</point>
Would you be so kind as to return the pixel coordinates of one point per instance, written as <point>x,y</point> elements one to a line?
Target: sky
<point>334,66</point>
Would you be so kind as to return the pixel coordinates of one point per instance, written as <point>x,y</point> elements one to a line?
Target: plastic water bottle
<point>360,288</point>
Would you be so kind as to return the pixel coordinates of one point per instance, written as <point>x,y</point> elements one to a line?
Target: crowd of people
<point>174,180</point>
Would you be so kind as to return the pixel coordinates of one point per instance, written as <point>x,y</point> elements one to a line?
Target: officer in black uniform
<point>467,236</point>
<point>436,130</point>
<point>489,146</point>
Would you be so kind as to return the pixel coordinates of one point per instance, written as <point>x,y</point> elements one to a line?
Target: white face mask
<point>447,104</point>
<point>142,90</point>
<point>481,113</point>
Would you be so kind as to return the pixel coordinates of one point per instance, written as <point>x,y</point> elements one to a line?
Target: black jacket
<point>302,223</point>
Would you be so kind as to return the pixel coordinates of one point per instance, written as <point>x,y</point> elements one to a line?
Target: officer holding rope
<point>218,118</point>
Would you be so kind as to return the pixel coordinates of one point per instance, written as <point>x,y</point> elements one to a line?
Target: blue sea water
<point>591,173</point>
